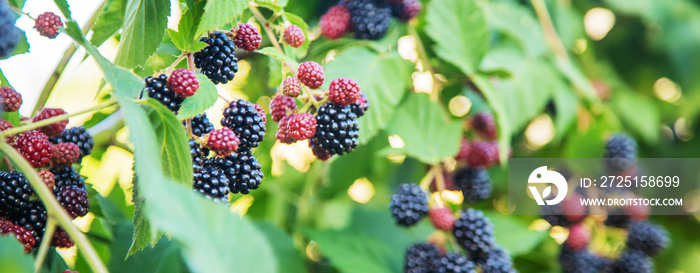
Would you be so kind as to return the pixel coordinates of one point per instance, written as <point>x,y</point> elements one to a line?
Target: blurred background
<point>638,58</point>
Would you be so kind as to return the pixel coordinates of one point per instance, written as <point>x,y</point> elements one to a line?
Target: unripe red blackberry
<point>463,152</point>
<point>572,209</point>
<point>291,87</point>
<point>53,129</point>
<point>79,136</point>
<point>442,218</point>
<point>406,10</point>
<point>283,131</point>
<point>247,37</point>
<point>579,236</point>
<point>21,234</point>
<point>311,74</point>
<point>74,200</point>
<point>48,178</point>
<point>294,36</point>
<point>183,82</point>
<point>335,22</point>
<point>47,24</point>
<point>65,154</point>
<point>343,91</point>
<point>301,126</point>
<point>4,125</point>
<point>61,239</point>
<point>481,154</point>
<point>281,106</point>
<point>484,124</point>
<point>408,205</point>
<point>11,99</point>
<point>35,148</point>
<point>223,141</point>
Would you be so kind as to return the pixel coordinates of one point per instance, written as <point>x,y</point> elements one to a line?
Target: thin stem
<point>439,178</point>
<point>190,61</point>
<point>7,162</point>
<point>20,11</point>
<point>58,71</point>
<point>427,179</point>
<point>44,122</point>
<point>172,66</point>
<point>53,208</point>
<point>224,98</point>
<point>45,243</point>
<point>266,25</point>
<point>550,33</point>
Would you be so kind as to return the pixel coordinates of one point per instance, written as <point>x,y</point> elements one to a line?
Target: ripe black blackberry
<point>474,183</point>
<point>621,150</point>
<point>199,154</point>
<point>633,261</point>
<point>647,237</point>
<point>14,192</point>
<point>217,60</point>
<point>9,33</point>
<point>370,19</point>
<point>409,204</point>
<point>242,170</point>
<point>201,125</point>
<point>496,261</point>
<point>212,183</point>
<point>337,129</point>
<point>360,106</point>
<point>79,136</point>
<point>618,220</point>
<point>244,119</point>
<point>33,219</point>
<point>65,177</point>
<point>156,88</point>
<point>453,262</point>
<point>474,232</point>
<point>581,261</point>
<point>419,258</point>
<point>555,216</point>
<point>74,200</point>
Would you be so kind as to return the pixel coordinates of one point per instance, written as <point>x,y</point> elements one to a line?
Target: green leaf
<point>577,79</point>
<point>17,3</point>
<point>203,99</point>
<point>218,13</point>
<point>565,104</point>
<point>288,257</point>
<point>638,113</point>
<point>12,257</point>
<point>142,31</point>
<point>274,53</point>
<point>461,38</point>
<point>513,234</point>
<point>428,133</point>
<point>63,6</point>
<point>352,253</point>
<point>108,22</point>
<point>184,38</point>
<point>269,4</point>
<point>22,45</point>
<point>174,150</point>
<point>518,23</point>
<point>382,78</point>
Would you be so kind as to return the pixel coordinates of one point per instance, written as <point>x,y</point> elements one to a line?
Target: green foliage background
<point>493,52</point>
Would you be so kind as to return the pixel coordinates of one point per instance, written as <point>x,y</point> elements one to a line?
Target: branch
<point>266,25</point>
<point>550,34</point>
<point>54,210</point>
<point>44,122</point>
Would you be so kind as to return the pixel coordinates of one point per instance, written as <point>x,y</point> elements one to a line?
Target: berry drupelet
<point>217,61</point>
<point>409,204</point>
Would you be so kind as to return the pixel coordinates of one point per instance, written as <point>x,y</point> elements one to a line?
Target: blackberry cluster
<point>496,261</point>
<point>33,219</point>
<point>199,155</point>
<point>409,204</point>
<point>337,129</point>
<point>474,183</point>
<point>157,88</point>
<point>201,125</point>
<point>419,258</point>
<point>15,192</point>
<point>78,136</point>
<point>370,19</point>
<point>633,261</point>
<point>212,183</point>
<point>474,232</point>
<point>9,33</point>
<point>453,262</point>
<point>242,170</point>
<point>405,10</point>
<point>244,119</point>
<point>647,238</point>
<point>621,150</point>
<point>582,261</point>
<point>65,177</point>
<point>217,61</point>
